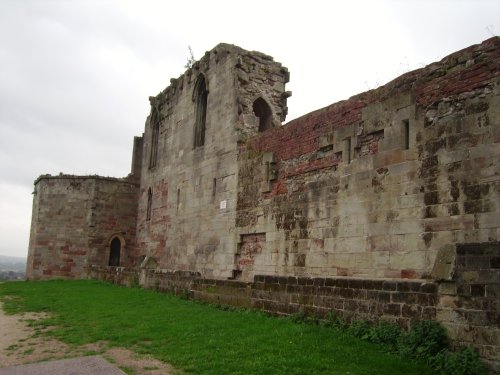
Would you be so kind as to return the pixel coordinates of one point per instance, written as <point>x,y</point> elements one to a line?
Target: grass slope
<point>194,337</point>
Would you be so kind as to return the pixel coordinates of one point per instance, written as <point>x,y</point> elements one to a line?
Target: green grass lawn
<point>194,337</point>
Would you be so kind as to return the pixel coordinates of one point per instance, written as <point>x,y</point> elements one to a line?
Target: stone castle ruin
<point>385,205</point>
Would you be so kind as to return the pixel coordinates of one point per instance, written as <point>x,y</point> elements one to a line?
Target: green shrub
<point>298,317</point>
<point>332,319</point>
<point>184,294</point>
<point>134,281</point>
<point>302,317</point>
<point>386,334</point>
<point>462,362</point>
<point>225,307</point>
<point>425,340</point>
<point>360,328</point>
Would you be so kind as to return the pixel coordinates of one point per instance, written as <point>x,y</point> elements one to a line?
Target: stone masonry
<point>74,221</point>
<point>385,205</point>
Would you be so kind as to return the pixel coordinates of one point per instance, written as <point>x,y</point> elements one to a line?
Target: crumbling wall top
<point>63,176</point>
<point>464,70</point>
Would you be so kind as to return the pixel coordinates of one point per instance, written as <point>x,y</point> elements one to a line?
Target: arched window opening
<point>114,252</point>
<point>155,131</point>
<point>150,201</point>
<point>200,97</point>
<point>262,110</point>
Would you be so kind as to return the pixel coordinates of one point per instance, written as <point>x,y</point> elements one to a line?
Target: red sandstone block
<point>342,271</point>
<point>408,274</point>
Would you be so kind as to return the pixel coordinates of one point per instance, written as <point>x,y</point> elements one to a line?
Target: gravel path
<point>19,346</point>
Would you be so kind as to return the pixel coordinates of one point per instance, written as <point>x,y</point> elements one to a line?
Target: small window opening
<point>262,110</point>
<point>214,188</point>
<point>155,131</point>
<point>406,134</point>
<point>114,252</point>
<point>178,199</point>
<point>150,201</point>
<point>200,97</point>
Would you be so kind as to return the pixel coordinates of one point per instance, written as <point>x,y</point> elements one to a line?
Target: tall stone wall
<point>74,221</point>
<point>187,199</point>
<point>376,185</point>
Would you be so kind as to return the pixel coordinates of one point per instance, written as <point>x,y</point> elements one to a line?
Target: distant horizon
<point>13,256</point>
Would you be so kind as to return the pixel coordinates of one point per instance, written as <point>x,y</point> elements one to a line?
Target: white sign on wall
<point>223,205</point>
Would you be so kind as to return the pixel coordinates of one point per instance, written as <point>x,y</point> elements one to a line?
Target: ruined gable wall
<point>388,210</point>
<point>187,228</point>
<point>194,189</point>
<point>73,221</point>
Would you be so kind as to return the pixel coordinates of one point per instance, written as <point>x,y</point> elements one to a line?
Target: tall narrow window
<point>262,110</point>
<point>347,150</point>
<point>200,96</point>
<point>178,198</point>
<point>406,134</point>
<point>214,189</point>
<point>114,252</point>
<point>155,130</point>
<point>150,201</point>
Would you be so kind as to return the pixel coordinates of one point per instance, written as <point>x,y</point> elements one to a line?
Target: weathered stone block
<point>393,309</point>
<point>447,288</point>
<point>444,264</point>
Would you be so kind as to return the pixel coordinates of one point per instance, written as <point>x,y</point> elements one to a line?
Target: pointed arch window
<point>155,132</point>
<point>200,97</point>
<point>150,201</point>
<point>262,110</point>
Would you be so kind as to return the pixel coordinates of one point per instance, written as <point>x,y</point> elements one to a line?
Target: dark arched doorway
<point>114,252</point>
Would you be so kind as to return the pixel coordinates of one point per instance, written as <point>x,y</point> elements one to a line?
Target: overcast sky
<point>75,76</point>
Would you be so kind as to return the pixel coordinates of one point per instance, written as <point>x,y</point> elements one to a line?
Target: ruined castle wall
<point>376,185</point>
<point>188,194</point>
<point>328,212</point>
<point>74,220</point>
<point>333,210</point>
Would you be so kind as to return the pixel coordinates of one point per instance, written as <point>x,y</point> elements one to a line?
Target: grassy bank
<point>197,338</point>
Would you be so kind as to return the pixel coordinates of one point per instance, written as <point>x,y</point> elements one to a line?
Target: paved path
<point>94,365</point>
